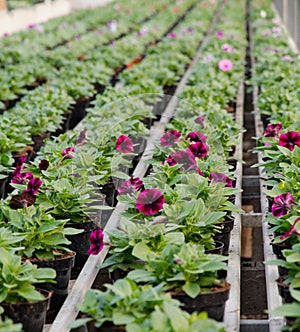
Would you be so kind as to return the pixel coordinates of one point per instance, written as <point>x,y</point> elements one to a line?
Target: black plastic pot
<point>31,314</point>
<point>80,244</point>
<point>224,235</point>
<point>62,266</point>
<point>218,249</point>
<point>284,290</point>
<point>212,302</point>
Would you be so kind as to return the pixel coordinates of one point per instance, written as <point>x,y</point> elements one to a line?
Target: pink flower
<point>124,144</point>
<point>169,138</point>
<point>273,130</point>
<point>225,65</point>
<point>282,204</point>
<point>208,58</point>
<point>292,230</point>
<point>219,34</point>
<point>97,242</point>
<point>196,136</point>
<point>20,178</point>
<point>33,186</point>
<point>220,177</point>
<point>289,140</point>
<point>199,149</point>
<point>66,151</point>
<point>130,186</point>
<point>287,58</point>
<point>172,35</point>
<point>228,48</point>
<point>150,201</point>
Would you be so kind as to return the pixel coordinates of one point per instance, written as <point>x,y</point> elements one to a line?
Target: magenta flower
<point>292,230</point>
<point>22,201</point>
<point>124,144</point>
<point>150,201</point>
<point>220,177</point>
<point>185,158</point>
<point>33,186</point>
<point>20,178</point>
<point>19,165</point>
<point>97,242</point>
<point>273,130</point>
<point>130,186</point>
<point>289,140</point>
<point>172,35</point>
<point>219,34</point>
<point>196,136</point>
<point>43,165</point>
<point>77,37</point>
<point>282,204</point>
<point>67,151</point>
<point>169,138</point>
<point>225,65</point>
<point>200,120</point>
<point>199,149</point>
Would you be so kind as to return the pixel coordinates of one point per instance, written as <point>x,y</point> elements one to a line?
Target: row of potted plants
<point>164,232</point>
<point>277,103</point>
<point>21,210</point>
<point>45,100</point>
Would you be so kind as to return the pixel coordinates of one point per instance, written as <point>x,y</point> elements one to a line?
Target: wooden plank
<point>232,306</point>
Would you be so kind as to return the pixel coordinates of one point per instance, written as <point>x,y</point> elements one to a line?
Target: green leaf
<point>191,289</point>
<point>142,251</point>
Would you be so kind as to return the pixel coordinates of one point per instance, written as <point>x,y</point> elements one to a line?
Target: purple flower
<point>196,136</point>
<point>81,138</point>
<point>97,242</point>
<point>199,149</point>
<point>43,165</point>
<point>185,158</point>
<point>220,177</point>
<point>219,34</point>
<point>22,201</point>
<point>31,26</point>
<point>292,230</point>
<point>289,140</point>
<point>20,178</point>
<point>276,31</point>
<point>282,204</point>
<point>130,186</point>
<point>67,151</point>
<point>169,138</point>
<point>150,201</point>
<point>124,144</point>
<point>225,65</point>
<point>33,186</point>
<point>200,120</point>
<point>273,130</point>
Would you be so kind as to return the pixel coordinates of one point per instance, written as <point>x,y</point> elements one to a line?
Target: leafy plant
<point>140,308</point>
<point>7,325</point>
<point>18,278</point>
<point>184,267</point>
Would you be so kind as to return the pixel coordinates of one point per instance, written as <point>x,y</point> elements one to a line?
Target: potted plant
<point>43,242</point>
<point>19,297</point>
<point>188,273</point>
<point>7,325</point>
<point>128,306</point>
